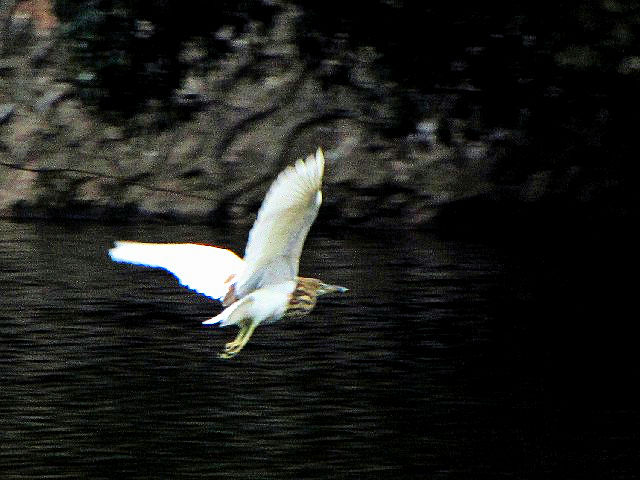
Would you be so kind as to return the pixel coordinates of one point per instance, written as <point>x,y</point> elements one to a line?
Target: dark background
<point>532,103</point>
<point>500,343</point>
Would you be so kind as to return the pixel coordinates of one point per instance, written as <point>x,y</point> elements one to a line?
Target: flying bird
<point>264,286</point>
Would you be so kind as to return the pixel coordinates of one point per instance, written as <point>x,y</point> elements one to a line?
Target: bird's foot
<point>231,349</point>
<point>227,355</point>
<point>235,345</point>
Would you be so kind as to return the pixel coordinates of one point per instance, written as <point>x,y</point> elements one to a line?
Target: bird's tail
<point>233,314</point>
<point>218,319</point>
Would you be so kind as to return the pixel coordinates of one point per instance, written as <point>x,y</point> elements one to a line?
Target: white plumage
<point>205,269</point>
<point>287,212</point>
<point>265,279</point>
<point>267,303</point>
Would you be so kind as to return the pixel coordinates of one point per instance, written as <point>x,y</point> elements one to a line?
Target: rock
<point>192,54</point>
<point>16,186</point>
<point>20,29</point>
<point>629,65</point>
<point>41,52</point>
<point>73,122</point>
<point>225,34</point>
<point>580,57</point>
<point>112,133</point>
<point>475,152</point>
<point>52,97</point>
<point>8,66</point>
<point>427,132</point>
<point>6,111</point>
<point>90,191</point>
<point>144,29</point>
<point>21,134</point>
<point>191,94</point>
<point>419,213</point>
<point>85,78</point>
<point>183,153</point>
<point>536,186</point>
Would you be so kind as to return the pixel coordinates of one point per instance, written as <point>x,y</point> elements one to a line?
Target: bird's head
<point>324,288</point>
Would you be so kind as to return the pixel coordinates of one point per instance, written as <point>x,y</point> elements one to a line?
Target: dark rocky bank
<point>447,116</point>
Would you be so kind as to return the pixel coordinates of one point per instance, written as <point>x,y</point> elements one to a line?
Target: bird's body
<point>264,286</point>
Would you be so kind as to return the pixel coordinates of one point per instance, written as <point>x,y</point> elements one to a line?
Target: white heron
<point>264,286</point>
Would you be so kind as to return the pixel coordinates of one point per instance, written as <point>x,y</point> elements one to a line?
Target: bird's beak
<point>325,288</point>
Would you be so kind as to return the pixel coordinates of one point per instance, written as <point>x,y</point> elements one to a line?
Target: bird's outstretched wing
<point>275,241</point>
<point>205,269</point>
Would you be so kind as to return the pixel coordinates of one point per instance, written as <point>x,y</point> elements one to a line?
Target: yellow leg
<point>236,341</point>
<point>231,349</point>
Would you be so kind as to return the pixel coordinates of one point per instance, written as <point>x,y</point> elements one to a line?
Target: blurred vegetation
<point>541,65</point>
<point>548,86</point>
<point>561,74</point>
<point>128,52</point>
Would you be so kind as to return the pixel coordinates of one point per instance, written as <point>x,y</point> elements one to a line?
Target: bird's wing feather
<point>275,241</point>
<point>207,270</point>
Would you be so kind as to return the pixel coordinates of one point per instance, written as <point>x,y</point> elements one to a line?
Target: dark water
<point>447,359</point>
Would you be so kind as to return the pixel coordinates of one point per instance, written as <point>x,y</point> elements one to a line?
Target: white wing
<point>205,269</point>
<point>275,241</point>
